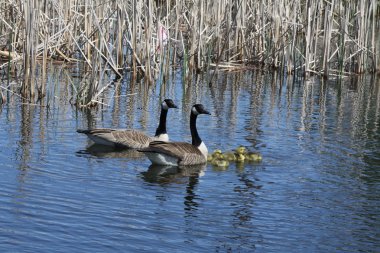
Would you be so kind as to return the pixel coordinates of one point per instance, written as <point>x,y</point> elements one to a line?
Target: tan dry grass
<point>317,37</point>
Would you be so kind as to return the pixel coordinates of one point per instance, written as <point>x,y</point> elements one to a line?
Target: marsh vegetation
<point>146,39</point>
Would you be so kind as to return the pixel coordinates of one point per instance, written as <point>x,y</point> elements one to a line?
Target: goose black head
<point>199,109</point>
<point>168,103</point>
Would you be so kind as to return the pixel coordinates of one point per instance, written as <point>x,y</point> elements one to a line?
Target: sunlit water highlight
<point>317,189</point>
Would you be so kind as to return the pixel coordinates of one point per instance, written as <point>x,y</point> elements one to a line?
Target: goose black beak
<point>206,112</point>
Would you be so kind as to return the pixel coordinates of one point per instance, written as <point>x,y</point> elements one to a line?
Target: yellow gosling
<point>220,162</point>
<point>241,150</point>
<point>253,157</point>
<point>218,156</point>
<point>217,152</point>
<point>230,156</point>
<point>240,158</point>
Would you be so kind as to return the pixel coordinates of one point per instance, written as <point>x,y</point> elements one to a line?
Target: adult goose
<point>130,138</point>
<point>180,153</point>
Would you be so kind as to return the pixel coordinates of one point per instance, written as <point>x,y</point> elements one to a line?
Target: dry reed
<point>328,38</point>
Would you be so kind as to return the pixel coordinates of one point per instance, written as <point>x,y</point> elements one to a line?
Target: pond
<point>317,188</point>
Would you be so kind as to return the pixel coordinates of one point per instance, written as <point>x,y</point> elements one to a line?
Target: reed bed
<point>149,38</point>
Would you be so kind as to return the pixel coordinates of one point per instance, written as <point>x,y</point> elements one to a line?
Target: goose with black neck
<point>180,153</point>
<point>130,138</point>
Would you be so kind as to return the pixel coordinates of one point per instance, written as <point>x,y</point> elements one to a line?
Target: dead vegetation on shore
<point>149,38</point>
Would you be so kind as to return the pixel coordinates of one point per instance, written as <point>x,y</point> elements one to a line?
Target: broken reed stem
<point>316,36</point>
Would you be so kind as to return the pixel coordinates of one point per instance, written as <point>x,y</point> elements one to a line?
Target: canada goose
<point>103,151</point>
<point>180,153</point>
<point>130,138</point>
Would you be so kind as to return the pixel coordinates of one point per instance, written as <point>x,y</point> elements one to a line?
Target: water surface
<point>316,190</point>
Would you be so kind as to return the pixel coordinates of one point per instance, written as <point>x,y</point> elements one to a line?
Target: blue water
<point>316,190</point>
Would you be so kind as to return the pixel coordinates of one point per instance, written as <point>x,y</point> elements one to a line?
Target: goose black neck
<point>161,129</point>
<point>196,140</point>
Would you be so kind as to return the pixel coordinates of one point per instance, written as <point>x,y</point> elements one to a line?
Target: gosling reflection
<point>102,151</point>
<point>172,174</point>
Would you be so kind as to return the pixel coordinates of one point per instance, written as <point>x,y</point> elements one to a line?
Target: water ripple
<point>316,189</point>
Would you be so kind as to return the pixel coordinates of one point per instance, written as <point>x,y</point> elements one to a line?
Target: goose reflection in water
<point>102,151</point>
<point>172,174</point>
<point>165,175</point>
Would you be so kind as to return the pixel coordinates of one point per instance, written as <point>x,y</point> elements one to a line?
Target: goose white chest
<point>203,149</point>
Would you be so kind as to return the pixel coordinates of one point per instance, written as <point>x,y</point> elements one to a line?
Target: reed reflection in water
<point>317,188</point>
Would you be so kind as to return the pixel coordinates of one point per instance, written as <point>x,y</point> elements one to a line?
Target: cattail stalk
<point>318,37</point>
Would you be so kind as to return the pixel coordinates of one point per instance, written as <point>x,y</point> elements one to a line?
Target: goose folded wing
<point>128,138</point>
<point>104,133</point>
<point>192,159</point>
<point>179,150</point>
<point>131,138</point>
<point>96,131</point>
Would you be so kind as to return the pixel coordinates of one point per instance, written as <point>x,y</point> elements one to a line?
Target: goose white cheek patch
<point>164,106</point>
<point>194,111</point>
